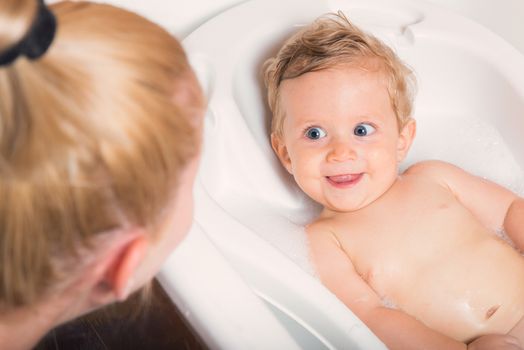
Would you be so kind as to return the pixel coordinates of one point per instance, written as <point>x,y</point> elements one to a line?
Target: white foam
<point>473,144</point>
<point>387,303</point>
<point>283,229</point>
<point>504,236</point>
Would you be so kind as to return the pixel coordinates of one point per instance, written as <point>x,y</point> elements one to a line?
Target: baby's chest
<point>390,245</point>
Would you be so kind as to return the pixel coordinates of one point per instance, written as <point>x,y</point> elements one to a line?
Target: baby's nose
<point>341,151</point>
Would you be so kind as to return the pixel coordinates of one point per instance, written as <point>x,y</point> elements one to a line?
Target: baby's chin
<point>342,207</point>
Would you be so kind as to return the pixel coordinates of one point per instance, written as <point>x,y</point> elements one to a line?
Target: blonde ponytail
<point>91,138</point>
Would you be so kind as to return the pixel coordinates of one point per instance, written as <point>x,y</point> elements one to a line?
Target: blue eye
<point>315,133</point>
<point>364,129</point>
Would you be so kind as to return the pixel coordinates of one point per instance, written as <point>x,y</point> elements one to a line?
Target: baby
<point>425,239</point>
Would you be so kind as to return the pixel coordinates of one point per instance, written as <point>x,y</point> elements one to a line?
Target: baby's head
<point>341,103</point>
<point>99,141</point>
<point>329,42</point>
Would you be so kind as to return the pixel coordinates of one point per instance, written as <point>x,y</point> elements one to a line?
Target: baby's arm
<point>495,206</point>
<point>514,222</point>
<point>396,329</point>
<point>495,341</point>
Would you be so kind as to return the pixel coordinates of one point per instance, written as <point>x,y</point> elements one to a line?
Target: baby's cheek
<point>306,171</point>
<point>306,180</point>
<point>314,192</point>
<point>381,159</point>
<point>372,154</point>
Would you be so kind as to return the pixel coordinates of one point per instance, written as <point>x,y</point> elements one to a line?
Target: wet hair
<point>92,137</point>
<point>333,41</point>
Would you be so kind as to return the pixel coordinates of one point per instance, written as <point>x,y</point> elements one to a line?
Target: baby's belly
<point>466,292</point>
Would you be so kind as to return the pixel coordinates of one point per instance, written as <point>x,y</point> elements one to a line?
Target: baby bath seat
<point>242,278</point>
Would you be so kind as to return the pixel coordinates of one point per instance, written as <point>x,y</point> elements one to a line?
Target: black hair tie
<point>37,40</point>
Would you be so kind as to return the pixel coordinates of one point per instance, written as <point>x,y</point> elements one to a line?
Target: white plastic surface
<point>248,207</point>
<point>503,17</point>
<point>234,317</point>
<point>181,17</point>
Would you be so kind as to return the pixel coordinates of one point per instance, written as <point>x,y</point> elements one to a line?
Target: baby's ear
<point>281,150</point>
<point>405,139</point>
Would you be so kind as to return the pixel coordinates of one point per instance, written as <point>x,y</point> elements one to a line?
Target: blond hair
<point>331,41</point>
<point>91,136</point>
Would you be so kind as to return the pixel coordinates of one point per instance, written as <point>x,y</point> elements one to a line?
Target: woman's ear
<point>130,258</point>
<point>281,151</point>
<point>405,139</point>
<point>117,265</point>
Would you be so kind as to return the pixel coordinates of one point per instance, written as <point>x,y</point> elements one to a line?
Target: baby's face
<point>340,136</point>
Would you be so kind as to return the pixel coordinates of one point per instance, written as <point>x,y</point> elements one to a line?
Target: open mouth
<point>345,180</point>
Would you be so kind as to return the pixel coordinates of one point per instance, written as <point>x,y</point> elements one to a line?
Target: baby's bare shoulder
<point>435,170</point>
<point>318,227</point>
<point>429,167</point>
<point>320,232</point>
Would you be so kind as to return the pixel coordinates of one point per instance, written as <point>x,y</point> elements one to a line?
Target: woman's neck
<point>22,328</point>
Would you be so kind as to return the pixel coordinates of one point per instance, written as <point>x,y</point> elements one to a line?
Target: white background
<point>504,17</point>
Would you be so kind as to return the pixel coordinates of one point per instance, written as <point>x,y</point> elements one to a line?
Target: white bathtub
<point>241,277</point>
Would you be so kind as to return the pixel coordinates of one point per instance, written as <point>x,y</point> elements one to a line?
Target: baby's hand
<point>495,342</point>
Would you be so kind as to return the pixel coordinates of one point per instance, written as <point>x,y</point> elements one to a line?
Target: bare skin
<point>419,247</point>
<point>424,240</point>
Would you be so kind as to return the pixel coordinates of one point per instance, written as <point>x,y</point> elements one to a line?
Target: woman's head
<point>96,137</point>
<point>333,41</point>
